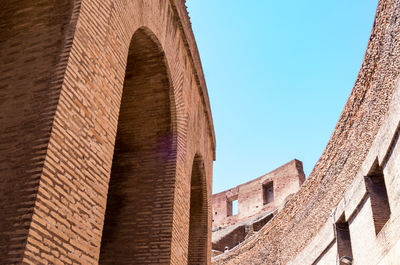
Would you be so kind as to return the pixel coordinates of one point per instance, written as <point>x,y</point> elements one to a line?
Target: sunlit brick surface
<point>63,68</point>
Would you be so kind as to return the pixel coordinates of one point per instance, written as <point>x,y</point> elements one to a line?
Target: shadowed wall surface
<point>35,40</point>
<point>68,97</point>
<point>199,207</point>
<point>138,222</point>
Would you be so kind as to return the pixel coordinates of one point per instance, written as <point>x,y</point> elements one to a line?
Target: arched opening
<point>198,227</point>
<point>138,220</point>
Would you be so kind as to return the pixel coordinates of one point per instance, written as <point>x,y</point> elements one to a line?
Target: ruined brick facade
<point>257,201</point>
<point>106,134</point>
<point>263,194</point>
<point>349,207</point>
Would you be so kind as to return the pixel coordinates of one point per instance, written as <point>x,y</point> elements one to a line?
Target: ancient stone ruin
<point>107,145</point>
<point>257,201</point>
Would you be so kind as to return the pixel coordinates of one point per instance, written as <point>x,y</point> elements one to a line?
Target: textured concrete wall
<point>63,77</point>
<point>304,216</point>
<point>286,180</point>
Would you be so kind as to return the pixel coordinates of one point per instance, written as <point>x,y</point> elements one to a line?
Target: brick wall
<point>283,181</point>
<point>35,41</point>
<point>199,209</point>
<point>232,239</point>
<point>66,80</point>
<point>360,226</point>
<point>141,188</point>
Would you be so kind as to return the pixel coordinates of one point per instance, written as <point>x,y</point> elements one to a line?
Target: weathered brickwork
<point>230,240</point>
<point>280,183</point>
<point>79,78</point>
<point>35,41</point>
<point>307,215</point>
<point>373,234</point>
<point>257,201</point>
<point>145,148</point>
<point>199,245</point>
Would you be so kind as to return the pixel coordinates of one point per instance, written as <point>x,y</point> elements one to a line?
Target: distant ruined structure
<point>257,202</point>
<point>106,134</point>
<point>348,210</point>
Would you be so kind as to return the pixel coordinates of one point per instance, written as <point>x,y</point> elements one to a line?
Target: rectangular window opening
<point>268,192</point>
<point>343,241</point>
<point>232,206</point>
<point>235,207</point>
<point>375,184</point>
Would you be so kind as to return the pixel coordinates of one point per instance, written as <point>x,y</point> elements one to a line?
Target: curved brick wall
<point>63,66</point>
<point>294,228</point>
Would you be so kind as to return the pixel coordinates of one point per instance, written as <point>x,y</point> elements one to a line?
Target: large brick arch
<point>138,222</point>
<point>64,194</point>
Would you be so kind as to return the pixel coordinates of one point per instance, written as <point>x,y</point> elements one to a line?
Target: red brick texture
<point>77,79</point>
<point>199,209</point>
<point>35,41</point>
<point>141,188</point>
<point>283,182</point>
<point>232,239</point>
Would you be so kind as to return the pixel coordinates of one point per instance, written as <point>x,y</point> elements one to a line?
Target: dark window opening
<point>343,241</point>
<point>376,188</point>
<point>268,192</point>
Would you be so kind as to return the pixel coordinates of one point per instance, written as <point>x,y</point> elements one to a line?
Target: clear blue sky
<point>278,75</point>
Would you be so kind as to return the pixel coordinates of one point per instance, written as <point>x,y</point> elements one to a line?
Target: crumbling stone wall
<point>306,213</point>
<point>86,87</point>
<point>258,201</point>
<point>281,183</point>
